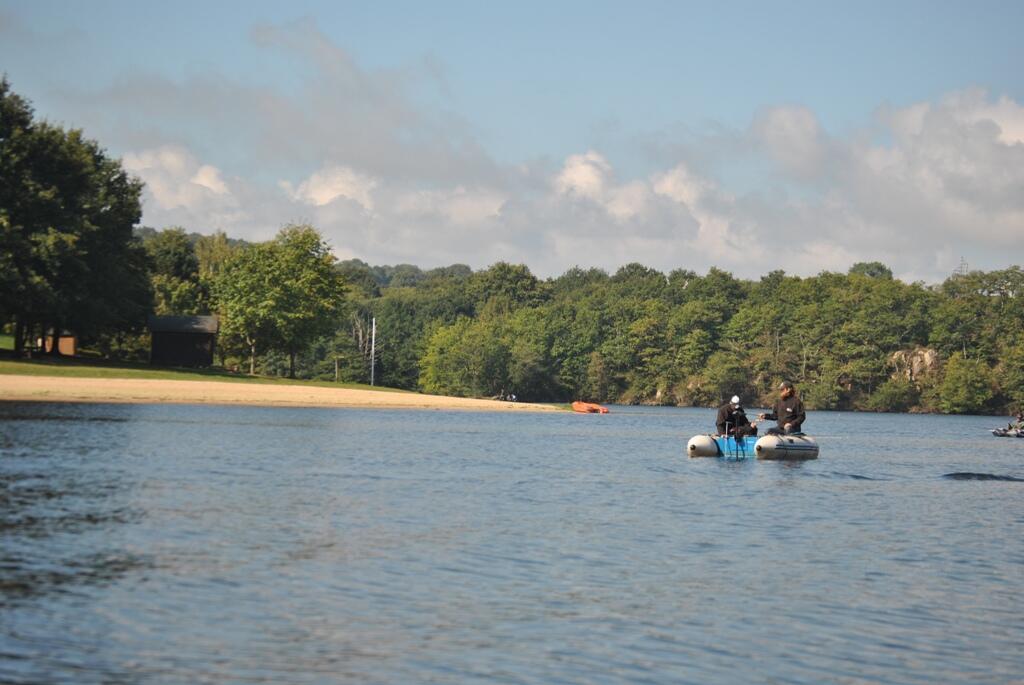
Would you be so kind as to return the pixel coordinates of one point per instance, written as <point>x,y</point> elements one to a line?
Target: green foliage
<point>895,395</point>
<point>638,281</point>
<point>212,253</point>
<point>725,375</point>
<point>640,337</point>
<point>466,359</point>
<point>282,295</point>
<point>310,292</point>
<point>246,293</point>
<point>824,388</point>
<point>171,254</point>
<point>511,283</point>
<point>174,273</point>
<point>1010,373</point>
<point>597,385</point>
<point>967,386</point>
<point>174,296</point>
<point>68,259</point>
<point>871,270</point>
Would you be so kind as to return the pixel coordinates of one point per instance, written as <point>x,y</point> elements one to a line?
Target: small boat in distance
<point>1008,432</point>
<point>588,408</point>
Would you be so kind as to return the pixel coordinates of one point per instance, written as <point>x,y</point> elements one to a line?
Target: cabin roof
<point>183,324</point>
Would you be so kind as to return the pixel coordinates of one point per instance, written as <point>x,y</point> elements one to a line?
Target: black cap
<point>785,384</point>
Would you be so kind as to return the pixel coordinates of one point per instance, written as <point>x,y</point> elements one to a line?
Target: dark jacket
<point>732,416</point>
<point>789,410</point>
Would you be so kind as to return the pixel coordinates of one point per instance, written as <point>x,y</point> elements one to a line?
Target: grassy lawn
<point>80,368</point>
<point>6,342</point>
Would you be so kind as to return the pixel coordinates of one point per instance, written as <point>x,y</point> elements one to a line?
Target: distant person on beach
<point>732,420</point>
<point>788,412</point>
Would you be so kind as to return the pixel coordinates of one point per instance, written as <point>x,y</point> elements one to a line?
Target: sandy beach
<point>63,389</point>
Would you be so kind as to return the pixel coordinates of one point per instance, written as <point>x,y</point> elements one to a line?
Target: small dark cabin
<point>183,340</point>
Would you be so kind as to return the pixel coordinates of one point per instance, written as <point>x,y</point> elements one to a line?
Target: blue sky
<point>481,131</point>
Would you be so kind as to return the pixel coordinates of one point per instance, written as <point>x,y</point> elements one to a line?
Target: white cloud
<point>973,106</point>
<point>908,121</point>
<point>793,138</point>
<point>681,185</point>
<point>953,174</point>
<point>209,177</point>
<point>916,187</point>
<point>459,205</point>
<point>584,175</point>
<point>714,211</point>
<point>589,176</point>
<point>175,178</point>
<point>629,200</point>
<point>331,183</point>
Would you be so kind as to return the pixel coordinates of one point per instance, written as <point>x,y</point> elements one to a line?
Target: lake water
<point>197,544</point>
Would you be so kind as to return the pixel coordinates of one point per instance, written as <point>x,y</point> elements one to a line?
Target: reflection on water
<point>168,544</point>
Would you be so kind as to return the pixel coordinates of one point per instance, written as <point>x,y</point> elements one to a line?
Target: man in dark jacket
<point>732,420</point>
<point>788,411</point>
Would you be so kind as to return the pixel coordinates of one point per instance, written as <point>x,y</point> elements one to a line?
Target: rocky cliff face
<point>913,365</point>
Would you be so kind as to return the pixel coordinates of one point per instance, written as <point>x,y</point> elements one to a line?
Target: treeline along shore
<point>74,261</point>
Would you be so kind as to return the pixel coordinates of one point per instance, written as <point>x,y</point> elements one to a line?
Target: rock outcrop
<point>914,364</point>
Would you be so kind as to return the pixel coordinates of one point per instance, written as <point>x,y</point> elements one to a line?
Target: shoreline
<point>25,388</point>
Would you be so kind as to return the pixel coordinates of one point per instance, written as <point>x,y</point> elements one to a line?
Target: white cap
<point>736,400</point>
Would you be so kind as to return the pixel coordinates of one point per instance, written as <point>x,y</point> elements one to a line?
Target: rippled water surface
<point>187,544</point>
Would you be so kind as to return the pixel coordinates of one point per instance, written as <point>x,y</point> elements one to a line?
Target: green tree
<point>966,387</point>
<point>310,292</point>
<point>1011,374</point>
<point>724,375</point>
<point>871,270</point>
<point>532,374</point>
<point>177,287</point>
<point>212,253</point>
<point>67,213</point>
<point>894,395</point>
<point>576,328</point>
<point>283,295</point>
<point>172,254</point>
<point>466,359</point>
<point>825,387</point>
<point>638,281</point>
<point>247,291</point>
<point>650,370</point>
<point>15,236</point>
<point>512,283</point>
<point>596,387</point>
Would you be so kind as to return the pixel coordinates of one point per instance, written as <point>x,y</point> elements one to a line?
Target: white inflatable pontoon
<point>797,446</point>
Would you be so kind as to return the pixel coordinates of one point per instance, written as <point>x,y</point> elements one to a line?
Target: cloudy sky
<point>752,135</point>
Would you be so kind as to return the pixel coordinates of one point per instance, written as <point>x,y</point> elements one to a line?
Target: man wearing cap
<point>732,420</point>
<point>788,412</point>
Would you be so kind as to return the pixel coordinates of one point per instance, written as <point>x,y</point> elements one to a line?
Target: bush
<point>967,386</point>
<point>894,395</point>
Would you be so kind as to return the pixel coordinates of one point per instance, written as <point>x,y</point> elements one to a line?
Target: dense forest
<point>859,340</point>
<point>72,258</point>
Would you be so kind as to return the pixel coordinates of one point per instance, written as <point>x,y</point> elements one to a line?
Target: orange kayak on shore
<point>589,408</point>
